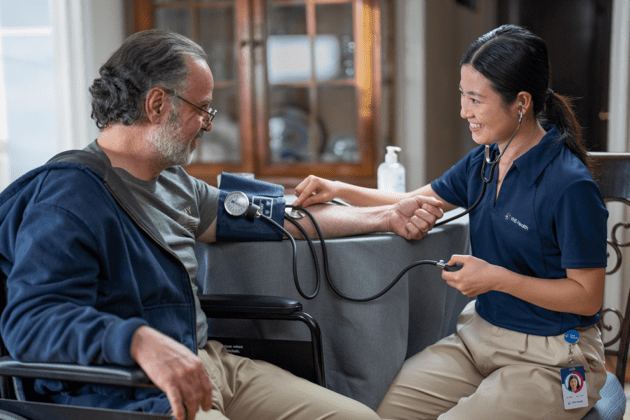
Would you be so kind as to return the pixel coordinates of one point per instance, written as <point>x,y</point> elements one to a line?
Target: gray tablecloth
<point>364,343</point>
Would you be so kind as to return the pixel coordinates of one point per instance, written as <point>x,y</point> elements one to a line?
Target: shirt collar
<point>149,185</point>
<point>536,159</point>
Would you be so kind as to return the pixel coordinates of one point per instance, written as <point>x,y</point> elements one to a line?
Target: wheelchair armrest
<point>245,306</point>
<point>110,375</point>
<point>254,307</point>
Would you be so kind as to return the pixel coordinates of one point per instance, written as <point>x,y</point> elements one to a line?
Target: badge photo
<point>574,387</point>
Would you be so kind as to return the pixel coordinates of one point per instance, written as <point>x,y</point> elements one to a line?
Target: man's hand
<point>175,370</point>
<point>414,217</point>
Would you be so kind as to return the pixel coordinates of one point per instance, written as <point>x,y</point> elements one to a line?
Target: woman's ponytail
<point>559,111</point>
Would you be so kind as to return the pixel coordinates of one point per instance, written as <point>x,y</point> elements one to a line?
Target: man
<point>99,258</point>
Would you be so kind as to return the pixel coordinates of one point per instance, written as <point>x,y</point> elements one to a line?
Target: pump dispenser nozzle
<point>391,155</point>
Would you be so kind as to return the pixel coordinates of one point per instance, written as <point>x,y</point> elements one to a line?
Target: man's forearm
<point>338,221</point>
<point>410,218</point>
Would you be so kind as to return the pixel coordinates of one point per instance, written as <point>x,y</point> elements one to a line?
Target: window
<point>28,125</point>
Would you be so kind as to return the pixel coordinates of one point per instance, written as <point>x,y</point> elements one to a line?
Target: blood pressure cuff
<point>269,197</point>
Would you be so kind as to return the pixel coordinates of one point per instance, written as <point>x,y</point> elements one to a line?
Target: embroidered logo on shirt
<point>187,221</point>
<point>513,219</point>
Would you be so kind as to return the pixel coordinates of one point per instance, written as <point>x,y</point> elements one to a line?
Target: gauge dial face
<point>236,203</point>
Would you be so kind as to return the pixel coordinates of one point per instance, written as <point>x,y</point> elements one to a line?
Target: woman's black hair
<point>145,60</point>
<point>515,60</point>
<point>574,377</point>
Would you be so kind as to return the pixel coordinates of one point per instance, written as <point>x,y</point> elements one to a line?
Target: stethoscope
<point>237,204</point>
<point>484,165</point>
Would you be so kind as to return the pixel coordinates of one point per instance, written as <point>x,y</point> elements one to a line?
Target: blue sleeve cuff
<point>117,341</point>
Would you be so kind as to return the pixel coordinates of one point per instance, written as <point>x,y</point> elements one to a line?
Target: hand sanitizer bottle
<point>391,174</point>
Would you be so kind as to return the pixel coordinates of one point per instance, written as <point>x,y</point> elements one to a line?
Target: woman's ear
<point>524,100</point>
<point>157,105</point>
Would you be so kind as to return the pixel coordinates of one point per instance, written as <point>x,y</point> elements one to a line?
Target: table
<point>364,343</point>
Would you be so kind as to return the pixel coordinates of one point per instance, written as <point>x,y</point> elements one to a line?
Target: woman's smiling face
<point>489,119</point>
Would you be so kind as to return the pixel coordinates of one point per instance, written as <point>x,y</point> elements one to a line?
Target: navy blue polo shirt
<point>549,216</point>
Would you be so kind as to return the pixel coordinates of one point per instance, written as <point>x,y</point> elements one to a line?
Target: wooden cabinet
<point>298,85</point>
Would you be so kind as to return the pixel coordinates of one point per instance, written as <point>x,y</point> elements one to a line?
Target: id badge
<point>574,387</point>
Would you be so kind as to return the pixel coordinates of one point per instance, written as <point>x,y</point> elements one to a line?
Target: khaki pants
<point>485,372</point>
<point>244,389</point>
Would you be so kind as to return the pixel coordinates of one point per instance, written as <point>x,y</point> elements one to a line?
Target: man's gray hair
<point>147,59</point>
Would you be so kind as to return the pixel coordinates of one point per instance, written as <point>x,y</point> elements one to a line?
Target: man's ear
<point>157,105</point>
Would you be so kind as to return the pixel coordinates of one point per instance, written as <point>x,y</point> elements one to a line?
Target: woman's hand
<point>581,292</point>
<point>313,190</point>
<point>474,278</point>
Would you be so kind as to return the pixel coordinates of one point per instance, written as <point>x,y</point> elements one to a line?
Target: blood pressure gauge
<point>237,204</point>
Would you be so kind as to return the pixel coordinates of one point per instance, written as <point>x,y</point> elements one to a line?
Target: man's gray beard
<point>170,150</point>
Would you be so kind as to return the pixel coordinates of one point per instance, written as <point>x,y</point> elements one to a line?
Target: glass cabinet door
<point>320,112</point>
<point>297,84</point>
<point>312,97</point>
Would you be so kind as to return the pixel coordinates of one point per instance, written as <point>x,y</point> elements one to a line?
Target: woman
<point>574,384</point>
<point>538,249</point>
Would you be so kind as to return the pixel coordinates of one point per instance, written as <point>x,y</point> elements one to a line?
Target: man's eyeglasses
<point>210,111</point>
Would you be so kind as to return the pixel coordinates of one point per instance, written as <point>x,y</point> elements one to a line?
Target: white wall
<point>411,89</point>
<point>619,97</point>
<point>86,34</point>
<point>107,27</point>
<point>429,129</point>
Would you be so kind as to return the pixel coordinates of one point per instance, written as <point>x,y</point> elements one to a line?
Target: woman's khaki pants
<point>484,372</point>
